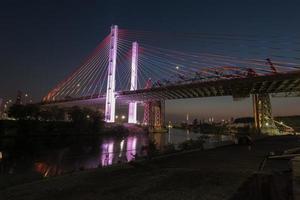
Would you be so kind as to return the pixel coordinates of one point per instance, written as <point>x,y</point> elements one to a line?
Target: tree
<point>17,111</point>
<point>57,113</point>
<point>86,119</point>
<point>45,114</point>
<point>32,111</point>
<point>77,115</point>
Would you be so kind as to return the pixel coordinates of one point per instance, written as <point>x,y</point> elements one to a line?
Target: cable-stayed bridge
<point>147,67</point>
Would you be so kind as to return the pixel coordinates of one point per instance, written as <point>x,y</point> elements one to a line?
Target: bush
<point>169,148</point>
<point>152,149</point>
<point>191,144</point>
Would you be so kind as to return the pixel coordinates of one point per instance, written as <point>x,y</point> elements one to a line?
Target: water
<point>51,157</point>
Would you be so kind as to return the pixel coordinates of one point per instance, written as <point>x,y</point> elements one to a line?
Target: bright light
<point>123,117</point>
<point>26,95</point>
<point>88,117</point>
<point>281,122</point>
<point>78,85</point>
<point>177,67</point>
<point>117,116</point>
<point>267,124</point>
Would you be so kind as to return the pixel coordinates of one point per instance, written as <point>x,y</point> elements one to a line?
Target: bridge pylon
<point>262,111</point>
<point>110,104</point>
<point>132,112</point>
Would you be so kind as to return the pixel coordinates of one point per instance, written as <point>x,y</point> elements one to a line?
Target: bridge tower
<point>262,111</point>
<point>146,120</point>
<point>110,103</point>
<point>132,112</point>
<point>157,114</point>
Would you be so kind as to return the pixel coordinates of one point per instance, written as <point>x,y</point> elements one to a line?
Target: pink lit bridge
<point>144,67</point>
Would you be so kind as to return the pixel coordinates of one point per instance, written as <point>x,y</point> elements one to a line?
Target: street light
<point>123,117</point>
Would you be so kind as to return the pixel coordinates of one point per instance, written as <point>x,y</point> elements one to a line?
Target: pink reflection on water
<point>107,154</point>
<point>131,148</point>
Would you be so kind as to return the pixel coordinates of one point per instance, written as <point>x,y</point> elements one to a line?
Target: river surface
<point>81,153</point>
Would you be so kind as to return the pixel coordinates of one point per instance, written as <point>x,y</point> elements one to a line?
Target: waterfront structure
<point>256,79</point>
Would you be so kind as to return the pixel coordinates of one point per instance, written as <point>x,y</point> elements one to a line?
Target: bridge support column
<point>262,111</point>
<point>154,115</point>
<point>132,112</point>
<point>110,104</point>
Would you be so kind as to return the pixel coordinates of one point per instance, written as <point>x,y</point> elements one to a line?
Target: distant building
<point>1,108</point>
<point>242,125</point>
<point>19,98</point>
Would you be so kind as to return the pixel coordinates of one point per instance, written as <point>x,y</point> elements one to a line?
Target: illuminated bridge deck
<point>239,87</point>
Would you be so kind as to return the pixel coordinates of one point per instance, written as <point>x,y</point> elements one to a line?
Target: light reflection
<point>188,136</point>
<point>131,148</point>
<point>121,148</point>
<point>107,153</point>
<point>46,169</point>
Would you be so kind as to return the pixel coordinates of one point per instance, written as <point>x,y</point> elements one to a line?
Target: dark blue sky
<point>41,42</point>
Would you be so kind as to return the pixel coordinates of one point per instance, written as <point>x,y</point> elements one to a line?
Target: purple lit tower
<point>132,112</point>
<point>110,104</point>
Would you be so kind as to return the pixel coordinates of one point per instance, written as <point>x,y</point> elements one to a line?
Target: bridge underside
<point>238,88</point>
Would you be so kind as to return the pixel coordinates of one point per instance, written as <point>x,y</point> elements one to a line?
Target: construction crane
<point>273,68</point>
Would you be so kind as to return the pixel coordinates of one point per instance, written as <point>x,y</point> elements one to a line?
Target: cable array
<point>176,58</point>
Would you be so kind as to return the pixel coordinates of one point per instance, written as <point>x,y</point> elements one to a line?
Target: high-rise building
<point>1,108</point>
<point>19,98</point>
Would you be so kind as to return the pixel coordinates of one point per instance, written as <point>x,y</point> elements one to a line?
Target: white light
<point>78,85</point>
<point>26,95</point>
<point>123,117</point>
<point>110,104</point>
<point>132,110</point>
<point>88,117</point>
<point>267,124</point>
<point>177,67</point>
<point>117,116</point>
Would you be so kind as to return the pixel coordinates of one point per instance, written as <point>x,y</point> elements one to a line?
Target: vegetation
<point>169,148</point>
<point>191,144</point>
<point>33,119</point>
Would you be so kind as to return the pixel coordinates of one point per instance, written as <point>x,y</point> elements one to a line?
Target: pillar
<point>262,112</point>
<point>110,104</point>
<point>132,112</point>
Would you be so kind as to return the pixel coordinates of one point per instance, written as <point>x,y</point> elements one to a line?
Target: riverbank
<point>211,174</point>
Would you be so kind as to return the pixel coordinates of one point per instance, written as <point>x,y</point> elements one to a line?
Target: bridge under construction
<point>125,68</point>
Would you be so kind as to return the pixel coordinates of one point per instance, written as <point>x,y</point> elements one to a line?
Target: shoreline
<point>191,175</point>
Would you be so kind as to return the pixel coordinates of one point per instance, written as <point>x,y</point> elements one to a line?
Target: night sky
<point>41,42</point>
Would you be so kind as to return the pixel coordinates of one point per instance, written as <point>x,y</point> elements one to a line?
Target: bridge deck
<point>239,87</point>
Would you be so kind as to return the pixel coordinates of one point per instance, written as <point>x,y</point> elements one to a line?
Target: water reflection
<point>131,148</point>
<point>92,152</point>
<point>107,154</point>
